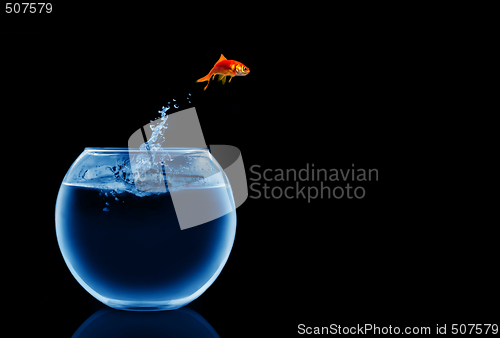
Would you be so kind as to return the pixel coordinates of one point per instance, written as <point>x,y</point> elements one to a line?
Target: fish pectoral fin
<point>223,80</point>
<point>220,77</point>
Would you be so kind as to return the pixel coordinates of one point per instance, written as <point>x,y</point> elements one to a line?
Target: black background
<point>329,92</point>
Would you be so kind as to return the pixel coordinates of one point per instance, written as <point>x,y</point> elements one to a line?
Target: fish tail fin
<point>205,78</point>
<point>209,75</point>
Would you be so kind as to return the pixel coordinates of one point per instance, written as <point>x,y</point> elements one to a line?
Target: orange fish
<point>225,68</point>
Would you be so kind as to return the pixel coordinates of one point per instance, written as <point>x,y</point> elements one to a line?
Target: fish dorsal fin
<point>222,58</point>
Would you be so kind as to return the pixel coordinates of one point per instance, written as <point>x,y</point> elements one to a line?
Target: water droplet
<point>173,99</point>
<point>105,209</point>
<point>176,105</point>
<point>107,203</point>
<point>116,199</point>
<point>189,94</point>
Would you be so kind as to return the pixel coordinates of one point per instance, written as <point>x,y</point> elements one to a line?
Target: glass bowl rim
<point>127,150</point>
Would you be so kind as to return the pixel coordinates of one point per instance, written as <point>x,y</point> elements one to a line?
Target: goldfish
<point>225,68</point>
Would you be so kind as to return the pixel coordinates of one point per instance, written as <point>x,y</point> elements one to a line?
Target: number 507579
<point>474,328</point>
<point>28,7</point>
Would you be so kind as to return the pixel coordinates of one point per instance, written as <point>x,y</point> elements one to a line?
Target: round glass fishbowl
<point>145,230</point>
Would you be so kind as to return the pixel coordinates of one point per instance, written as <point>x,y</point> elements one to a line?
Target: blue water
<point>128,250</point>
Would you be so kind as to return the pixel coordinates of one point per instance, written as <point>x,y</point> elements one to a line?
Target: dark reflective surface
<point>112,323</point>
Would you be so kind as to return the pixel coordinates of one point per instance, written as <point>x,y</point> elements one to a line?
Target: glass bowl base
<point>144,306</point>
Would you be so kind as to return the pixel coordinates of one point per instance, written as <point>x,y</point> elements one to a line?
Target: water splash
<point>150,160</point>
<point>142,172</point>
<point>155,141</point>
<point>157,138</point>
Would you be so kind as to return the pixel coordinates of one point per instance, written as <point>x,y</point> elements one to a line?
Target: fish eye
<point>245,69</point>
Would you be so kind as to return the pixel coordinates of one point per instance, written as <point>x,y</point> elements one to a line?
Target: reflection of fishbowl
<point>109,323</point>
<point>120,234</point>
